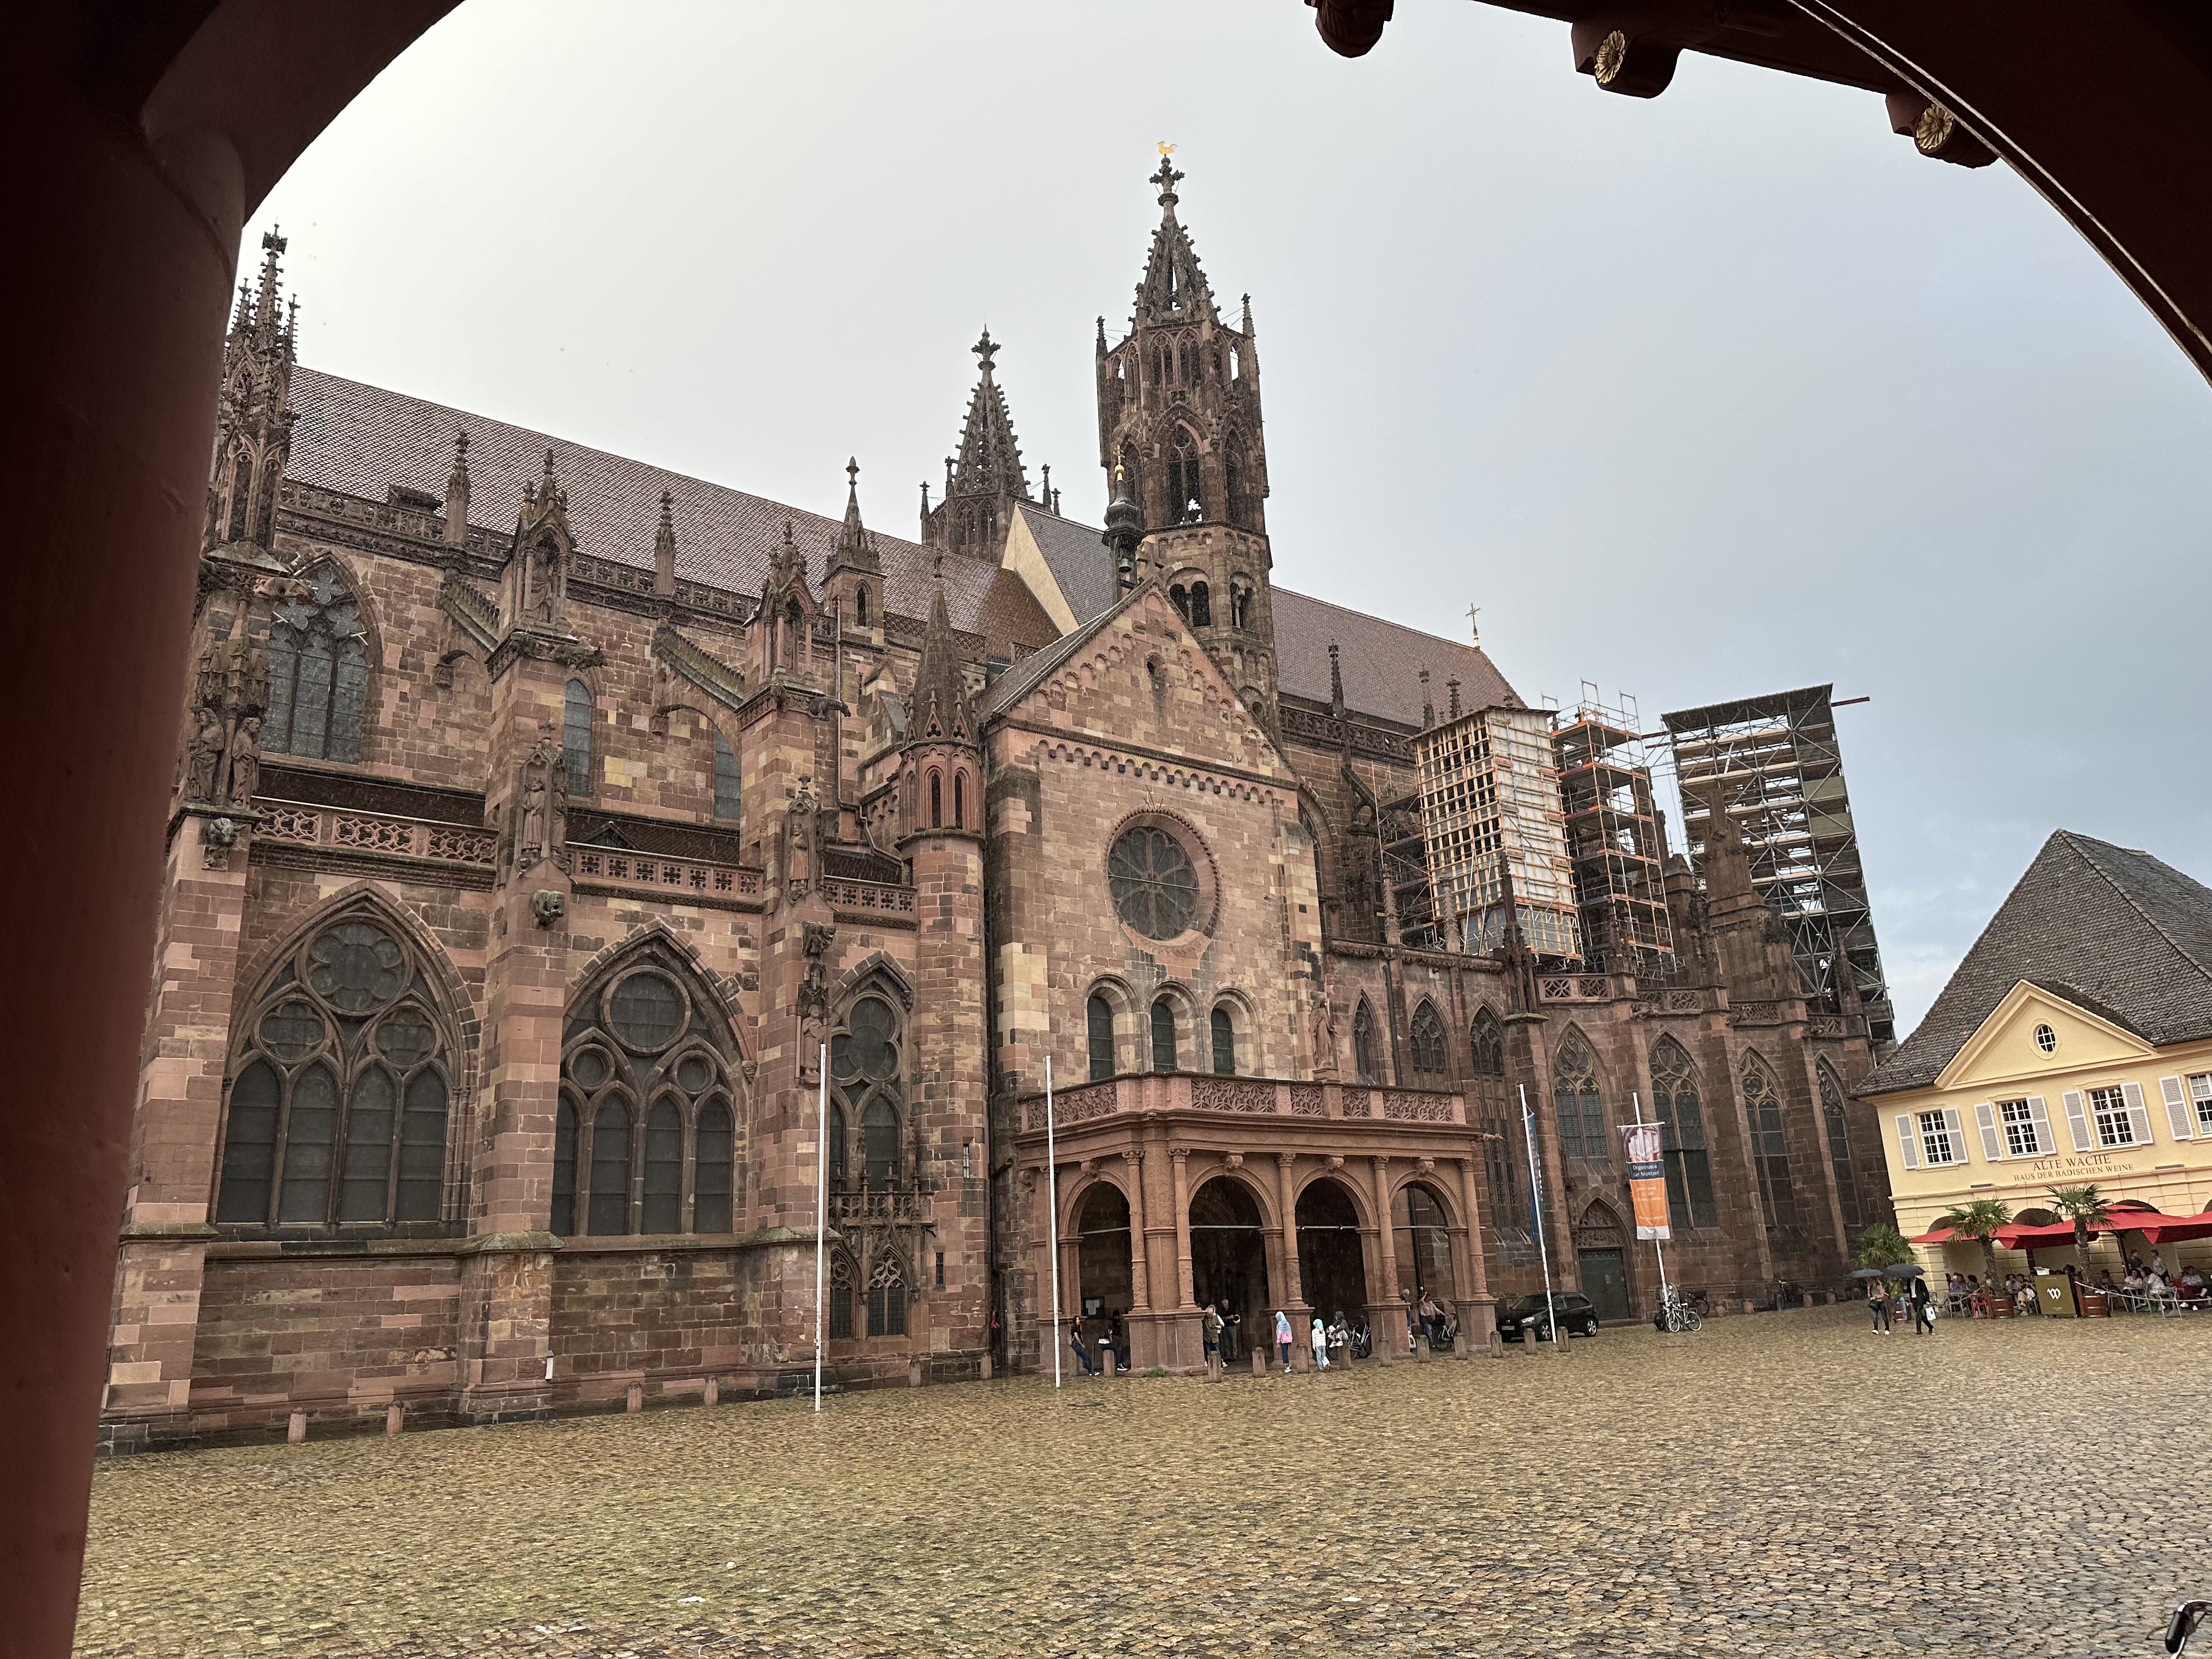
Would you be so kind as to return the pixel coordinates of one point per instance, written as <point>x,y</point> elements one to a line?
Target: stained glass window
<point>1487,1040</point>
<point>887,1298</point>
<point>337,1112</point>
<point>1762,1106</point>
<point>1154,885</point>
<point>1164,1036</point>
<point>576,736</point>
<point>318,673</point>
<point>1674,1103</point>
<point>1098,1016</point>
<point>1839,1148</point>
<point>729,782</point>
<point>1224,1043</point>
<point>867,1090</point>
<point>1582,1109</point>
<point>1428,1042</point>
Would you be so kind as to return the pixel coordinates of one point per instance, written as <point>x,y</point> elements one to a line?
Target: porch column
<point>1481,1270</point>
<point>1478,1313</point>
<point>1394,1310</point>
<point>1285,1192</point>
<point>1140,1295</point>
<point>1179,1159</point>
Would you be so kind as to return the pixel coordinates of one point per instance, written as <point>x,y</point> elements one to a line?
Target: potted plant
<point>2086,1208</point>
<point>1979,1220</point>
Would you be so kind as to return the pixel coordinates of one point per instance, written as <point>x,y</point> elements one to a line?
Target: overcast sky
<point>1722,392</point>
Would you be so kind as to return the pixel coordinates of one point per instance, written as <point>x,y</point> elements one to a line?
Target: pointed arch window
<point>860,605</point>
<point>645,1137</point>
<point>576,736</point>
<point>1185,502</point>
<point>866,1087</point>
<point>1430,1064</point>
<point>342,1075</point>
<point>842,1280</point>
<point>959,800</point>
<point>1224,1029</point>
<point>1362,1043</point>
<point>1762,1107</point>
<point>318,673</point>
<point>887,1297</point>
<point>1163,1035</point>
<point>1580,1107</point>
<point>729,782</point>
<point>1839,1149</point>
<point>1681,1116</point>
<point>1486,1042</point>
<point>936,801</point>
<point>1098,1020</point>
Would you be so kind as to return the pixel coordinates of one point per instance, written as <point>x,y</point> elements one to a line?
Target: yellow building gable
<point>2032,1033</point>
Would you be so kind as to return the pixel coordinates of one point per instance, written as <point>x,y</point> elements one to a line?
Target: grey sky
<point>1723,392</point>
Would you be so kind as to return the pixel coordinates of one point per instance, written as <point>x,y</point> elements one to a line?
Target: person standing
<point>1283,1337</point>
<point>1229,1323</point>
<point>1209,1327</point>
<point>1878,1299</point>
<point>1075,1343</point>
<point>1320,1343</point>
<point>1923,1317</point>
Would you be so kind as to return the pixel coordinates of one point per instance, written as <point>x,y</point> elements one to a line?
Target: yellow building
<point>2072,1045</point>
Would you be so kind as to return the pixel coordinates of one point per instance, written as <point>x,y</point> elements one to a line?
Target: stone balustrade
<point>374,832</point>
<point>645,873</point>
<point>1183,1091</point>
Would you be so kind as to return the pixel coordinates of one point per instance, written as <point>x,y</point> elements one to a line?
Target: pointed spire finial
<point>1102,334</point>
<point>1474,624</point>
<point>924,498</point>
<point>664,547</point>
<point>1247,330</point>
<point>1048,486</point>
<point>985,347</point>
<point>1167,179</point>
<point>1336,682</point>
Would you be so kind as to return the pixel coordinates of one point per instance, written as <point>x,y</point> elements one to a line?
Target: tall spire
<point>254,414</point>
<point>1174,289</point>
<point>940,709</point>
<point>990,461</point>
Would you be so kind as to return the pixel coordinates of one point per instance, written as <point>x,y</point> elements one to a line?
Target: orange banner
<point>1647,1178</point>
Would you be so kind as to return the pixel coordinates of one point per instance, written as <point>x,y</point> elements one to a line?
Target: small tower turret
<point>253,413</point>
<point>942,774</point>
<point>854,583</point>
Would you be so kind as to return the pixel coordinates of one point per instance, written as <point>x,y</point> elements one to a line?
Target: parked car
<point>1528,1316</point>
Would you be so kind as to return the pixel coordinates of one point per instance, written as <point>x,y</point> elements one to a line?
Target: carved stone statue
<point>813,1032</point>
<point>203,755</point>
<point>246,761</point>
<point>533,835</point>
<point>542,830</point>
<point>1324,1042</point>
<point>799,843</point>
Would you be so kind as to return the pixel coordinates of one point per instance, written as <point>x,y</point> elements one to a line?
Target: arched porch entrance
<point>1422,1239</point>
<point>1101,1252</point>
<point>1331,1261</point>
<point>1229,1252</point>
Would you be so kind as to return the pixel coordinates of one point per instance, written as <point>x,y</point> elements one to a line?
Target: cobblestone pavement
<point>1778,1484</point>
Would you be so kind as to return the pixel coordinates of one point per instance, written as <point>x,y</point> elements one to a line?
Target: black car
<point>1527,1315</point>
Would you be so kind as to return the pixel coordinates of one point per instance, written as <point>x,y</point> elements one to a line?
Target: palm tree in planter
<point>1881,1246</point>
<point>2086,1208</point>
<point>1979,1220</point>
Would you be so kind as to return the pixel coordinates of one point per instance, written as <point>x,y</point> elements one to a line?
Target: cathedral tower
<point>254,416</point>
<point>982,484</point>
<point>1179,428</point>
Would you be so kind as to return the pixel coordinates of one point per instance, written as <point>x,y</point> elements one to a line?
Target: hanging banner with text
<point>1647,1179</point>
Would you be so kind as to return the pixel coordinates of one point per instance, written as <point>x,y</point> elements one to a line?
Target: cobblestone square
<point>1785,1484</point>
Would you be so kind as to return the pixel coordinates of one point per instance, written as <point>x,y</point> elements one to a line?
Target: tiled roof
<point>1078,558</point>
<point>361,440</point>
<point>2117,930</point>
<point>1381,660</point>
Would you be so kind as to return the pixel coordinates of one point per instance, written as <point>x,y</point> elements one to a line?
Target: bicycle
<point>1676,1316</point>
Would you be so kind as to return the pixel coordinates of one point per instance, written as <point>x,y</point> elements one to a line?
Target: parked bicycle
<point>1676,1316</point>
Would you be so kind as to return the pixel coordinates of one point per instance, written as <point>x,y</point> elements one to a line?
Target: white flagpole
<point>1658,1244</point>
<point>1052,1225</point>
<point>1536,1196</point>
<point>821,1209</point>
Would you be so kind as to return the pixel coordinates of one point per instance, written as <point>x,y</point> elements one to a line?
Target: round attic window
<point>1155,886</point>
<point>2046,1039</point>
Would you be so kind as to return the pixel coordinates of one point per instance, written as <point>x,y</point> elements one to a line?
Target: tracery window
<point>1163,1035</point>
<point>318,673</point>
<point>340,1080</point>
<point>1428,1043</point>
<point>1224,1043</point>
<point>887,1296</point>
<point>866,1086</point>
<point>1098,1018</point>
<point>1762,1108</point>
<point>729,782</point>
<point>1154,882</point>
<point>576,736</point>
<point>645,1140</point>
<point>1580,1108</point>
<point>1362,1043</point>
<point>1502,1166</point>
<point>1839,1148</point>
<point>1486,1041</point>
<point>842,1276</point>
<point>1185,504</point>
<point>1674,1103</point>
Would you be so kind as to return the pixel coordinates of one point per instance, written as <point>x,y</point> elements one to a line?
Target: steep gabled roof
<point>1024,675</point>
<point>1382,662</point>
<point>1078,559</point>
<point>2120,932</point>
<point>361,440</point>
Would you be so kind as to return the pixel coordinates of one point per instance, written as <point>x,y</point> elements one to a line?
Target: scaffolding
<point>1774,765</point>
<point>1489,809</point>
<point>1614,837</point>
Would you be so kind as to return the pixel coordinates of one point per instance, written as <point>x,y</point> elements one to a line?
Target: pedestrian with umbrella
<point>1916,1294</point>
<point>1877,1297</point>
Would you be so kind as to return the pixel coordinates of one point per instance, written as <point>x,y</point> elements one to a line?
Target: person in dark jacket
<point>1916,1293</point>
<point>1075,1343</point>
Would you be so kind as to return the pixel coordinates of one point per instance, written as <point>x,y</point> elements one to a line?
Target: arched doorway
<point>1228,1253</point>
<point>1422,1242</point>
<point>1601,1253</point>
<point>1102,1254</point>
<point>1332,1267</point>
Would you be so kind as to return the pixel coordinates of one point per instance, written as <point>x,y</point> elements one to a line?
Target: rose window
<point>1155,888</point>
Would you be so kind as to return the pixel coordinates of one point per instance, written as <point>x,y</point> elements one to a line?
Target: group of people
<point>1919,1304</point>
<point>2153,1280</point>
<point>1113,1338</point>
